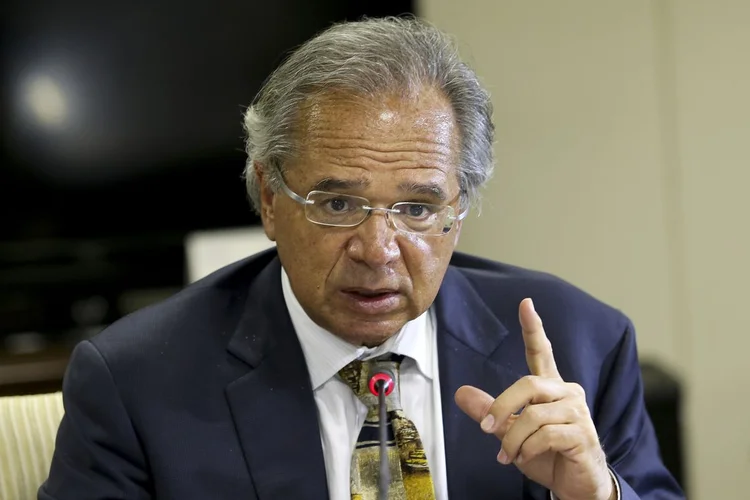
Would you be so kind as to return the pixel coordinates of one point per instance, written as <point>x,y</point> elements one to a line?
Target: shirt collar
<point>326,354</point>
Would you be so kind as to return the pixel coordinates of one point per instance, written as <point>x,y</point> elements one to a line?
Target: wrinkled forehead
<point>412,135</point>
<point>386,116</point>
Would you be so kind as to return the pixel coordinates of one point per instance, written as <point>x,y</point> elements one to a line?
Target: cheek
<point>419,247</point>
<point>308,251</point>
<point>426,261</point>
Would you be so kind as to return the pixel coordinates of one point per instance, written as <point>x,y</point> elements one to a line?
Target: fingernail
<point>487,423</point>
<point>502,457</point>
<point>531,303</point>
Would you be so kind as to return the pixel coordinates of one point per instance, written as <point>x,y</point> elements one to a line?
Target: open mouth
<point>366,293</point>
<point>371,293</point>
<point>372,301</point>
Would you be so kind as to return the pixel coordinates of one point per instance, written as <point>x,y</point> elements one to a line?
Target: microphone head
<point>381,378</point>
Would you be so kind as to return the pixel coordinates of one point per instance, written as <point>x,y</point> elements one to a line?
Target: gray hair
<point>370,57</point>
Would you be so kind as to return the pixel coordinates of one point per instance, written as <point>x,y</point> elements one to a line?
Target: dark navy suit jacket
<point>207,395</point>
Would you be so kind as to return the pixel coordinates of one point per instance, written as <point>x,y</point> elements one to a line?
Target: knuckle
<point>534,413</point>
<point>577,390</point>
<point>530,412</point>
<point>550,431</point>
<point>543,347</point>
<point>533,382</point>
<point>509,422</point>
<point>577,412</point>
<point>487,408</point>
<point>549,434</point>
<point>529,451</point>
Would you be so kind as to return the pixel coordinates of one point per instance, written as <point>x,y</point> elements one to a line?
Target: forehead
<point>391,137</point>
<point>426,111</point>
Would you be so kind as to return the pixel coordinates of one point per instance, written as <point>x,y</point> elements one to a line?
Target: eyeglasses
<point>343,210</point>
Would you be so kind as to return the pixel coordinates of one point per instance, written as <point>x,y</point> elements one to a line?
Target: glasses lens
<point>423,218</point>
<point>333,209</point>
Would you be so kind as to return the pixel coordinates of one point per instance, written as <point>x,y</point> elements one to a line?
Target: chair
<point>28,427</point>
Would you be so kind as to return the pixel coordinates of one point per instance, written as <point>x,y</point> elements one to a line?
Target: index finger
<point>539,357</point>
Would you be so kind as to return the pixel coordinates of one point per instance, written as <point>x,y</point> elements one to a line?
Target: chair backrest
<point>28,427</point>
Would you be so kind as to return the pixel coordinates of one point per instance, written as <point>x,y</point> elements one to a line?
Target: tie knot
<point>361,376</point>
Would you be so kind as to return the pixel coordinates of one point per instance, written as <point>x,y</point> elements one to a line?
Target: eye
<point>337,205</point>
<point>419,211</point>
<point>416,210</point>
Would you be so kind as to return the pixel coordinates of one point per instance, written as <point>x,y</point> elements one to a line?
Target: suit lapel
<point>272,405</point>
<point>469,338</point>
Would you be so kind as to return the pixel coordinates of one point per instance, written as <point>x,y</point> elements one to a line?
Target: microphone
<point>381,385</point>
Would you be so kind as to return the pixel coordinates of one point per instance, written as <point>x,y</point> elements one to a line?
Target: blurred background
<point>623,166</point>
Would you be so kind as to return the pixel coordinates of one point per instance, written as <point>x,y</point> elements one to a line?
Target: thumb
<point>474,402</point>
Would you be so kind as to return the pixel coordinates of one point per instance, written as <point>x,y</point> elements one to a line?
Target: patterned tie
<point>410,473</point>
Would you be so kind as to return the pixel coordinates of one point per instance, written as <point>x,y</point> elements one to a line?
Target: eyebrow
<point>331,183</point>
<point>429,189</point>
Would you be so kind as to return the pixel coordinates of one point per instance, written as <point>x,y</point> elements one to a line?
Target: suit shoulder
<point>199,317</point>
<point>503,286</point>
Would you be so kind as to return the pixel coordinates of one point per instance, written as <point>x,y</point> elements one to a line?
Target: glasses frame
<point>387,211</point>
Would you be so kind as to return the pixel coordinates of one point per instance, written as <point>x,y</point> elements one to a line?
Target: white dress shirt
<point>340,412</point>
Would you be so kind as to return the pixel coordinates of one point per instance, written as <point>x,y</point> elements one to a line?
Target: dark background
<point>121,133</point>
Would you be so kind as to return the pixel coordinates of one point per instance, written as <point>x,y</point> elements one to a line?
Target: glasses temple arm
<point>292,194</point>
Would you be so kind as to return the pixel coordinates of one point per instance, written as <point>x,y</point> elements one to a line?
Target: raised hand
<point>544,423</point>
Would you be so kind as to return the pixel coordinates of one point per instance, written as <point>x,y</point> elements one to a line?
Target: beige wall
<point>624,166</point>
<point>712,150</point>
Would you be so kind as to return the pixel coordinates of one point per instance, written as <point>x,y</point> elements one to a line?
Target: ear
<point>267,198</point>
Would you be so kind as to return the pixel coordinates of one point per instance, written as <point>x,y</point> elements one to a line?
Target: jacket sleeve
<point>97,453</point>
<point>626,431</point>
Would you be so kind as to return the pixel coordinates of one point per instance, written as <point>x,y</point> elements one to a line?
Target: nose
<point>374,242</point>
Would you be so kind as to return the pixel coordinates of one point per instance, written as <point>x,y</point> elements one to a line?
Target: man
<point>366,148</point>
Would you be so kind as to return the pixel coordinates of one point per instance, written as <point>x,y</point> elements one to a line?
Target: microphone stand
<point>384,479</point>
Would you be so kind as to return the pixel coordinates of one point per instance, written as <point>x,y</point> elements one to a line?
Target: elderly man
<point>367,149</point>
